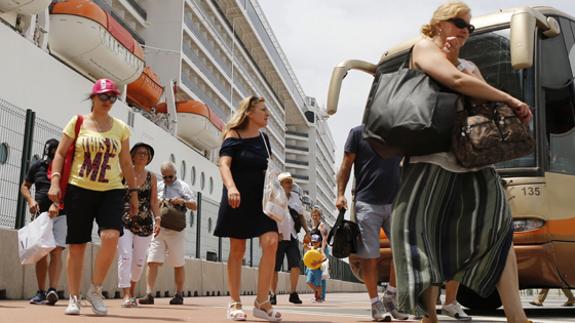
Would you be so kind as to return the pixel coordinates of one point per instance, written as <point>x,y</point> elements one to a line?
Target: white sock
<point>375,300</point>
<point>390,290</point>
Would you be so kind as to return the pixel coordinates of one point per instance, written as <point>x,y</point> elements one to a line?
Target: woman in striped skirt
<point>451,222</point>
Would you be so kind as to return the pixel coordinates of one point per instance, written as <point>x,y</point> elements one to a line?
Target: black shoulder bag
<point>409,113</point>
<point>343,237</point>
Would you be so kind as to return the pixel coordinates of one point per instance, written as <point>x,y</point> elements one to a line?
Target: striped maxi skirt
<point>448,226</point>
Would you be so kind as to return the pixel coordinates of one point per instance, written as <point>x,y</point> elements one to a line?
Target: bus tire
<point>472,300</point>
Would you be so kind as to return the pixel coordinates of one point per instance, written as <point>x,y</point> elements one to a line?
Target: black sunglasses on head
<point>107,97</point>
<point>460,23</point>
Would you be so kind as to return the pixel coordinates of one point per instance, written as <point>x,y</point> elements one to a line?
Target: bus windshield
<point>491,53</point>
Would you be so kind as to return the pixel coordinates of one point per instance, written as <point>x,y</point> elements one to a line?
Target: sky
<point>316,35</point>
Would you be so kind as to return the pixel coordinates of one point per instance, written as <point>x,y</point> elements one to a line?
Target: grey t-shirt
<point>376,179</point>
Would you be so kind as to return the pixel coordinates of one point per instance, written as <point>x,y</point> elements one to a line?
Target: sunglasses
<point>107,97</point>
<point>460,23</point>
<point>255,99</point>
<point>168,177</point>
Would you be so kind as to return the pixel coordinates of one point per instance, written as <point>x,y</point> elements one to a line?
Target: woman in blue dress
<point>243,163</point>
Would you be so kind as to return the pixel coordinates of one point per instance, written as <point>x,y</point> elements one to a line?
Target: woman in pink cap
<point>95,190</point>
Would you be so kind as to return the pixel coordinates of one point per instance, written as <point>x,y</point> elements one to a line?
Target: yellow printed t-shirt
<point>96,164</point>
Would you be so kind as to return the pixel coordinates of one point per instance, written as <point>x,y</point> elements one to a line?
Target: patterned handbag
<point>489,133</point>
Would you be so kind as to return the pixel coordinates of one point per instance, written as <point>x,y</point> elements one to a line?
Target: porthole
<point>209,225</point>
<point>202,181</point>
<point>193,176</point>
<point>172,158</point>
<point>211,185</point>
<point>3,153</point>
<point>183,170</point>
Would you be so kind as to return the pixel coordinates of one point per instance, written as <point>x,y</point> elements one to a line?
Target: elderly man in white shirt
<point>168,245</point>
<point>288,245</point>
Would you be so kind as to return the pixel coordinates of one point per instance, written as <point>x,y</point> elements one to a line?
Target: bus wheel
<point>472,300</point>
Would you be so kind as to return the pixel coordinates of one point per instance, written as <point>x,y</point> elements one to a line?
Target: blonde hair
<point>444,12</point>
<point>239,119</point>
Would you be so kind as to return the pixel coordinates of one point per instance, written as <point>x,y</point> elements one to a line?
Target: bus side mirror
<point>339,72</point>
<point>523,31</point>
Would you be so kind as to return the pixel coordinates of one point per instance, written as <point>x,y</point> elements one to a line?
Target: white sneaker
<point>455,311</point>
<point>389,303</point>
<point>73,306</point>
<point>95,298</point>
<point>378,313</point>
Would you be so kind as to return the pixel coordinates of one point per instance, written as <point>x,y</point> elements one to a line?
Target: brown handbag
<point>489,133</point>
<point>173,217</point>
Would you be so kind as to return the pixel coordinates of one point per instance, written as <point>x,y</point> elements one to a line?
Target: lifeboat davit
<point>197,124</point>
<point>146,90</point>
<point>88,38</point>
<point>24,7</point>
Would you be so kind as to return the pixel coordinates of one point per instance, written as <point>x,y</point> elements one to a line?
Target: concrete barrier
<point>201,276</point>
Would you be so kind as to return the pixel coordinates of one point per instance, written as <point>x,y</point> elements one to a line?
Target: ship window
<point>193,176</point>
<point>211,185</point>
<point>202,181</point>
<point>3,153</point>
<point>183,170</point>
<point>209,225</point>
<point>172,158</point>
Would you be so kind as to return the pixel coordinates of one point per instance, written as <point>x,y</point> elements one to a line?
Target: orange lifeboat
<point>85,36</point>
<point>197,123</point>
<point>24,7</point>
<point>146,90</point>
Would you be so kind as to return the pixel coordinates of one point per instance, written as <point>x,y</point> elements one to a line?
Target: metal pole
<point>251,252</point>
<point>24,165</point>
<point>219,249</point>
<point>199,226</point>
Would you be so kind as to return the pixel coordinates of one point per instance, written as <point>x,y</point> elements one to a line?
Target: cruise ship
<point>183,66</point>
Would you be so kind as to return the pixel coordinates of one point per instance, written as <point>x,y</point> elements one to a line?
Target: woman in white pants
<point>138,229</point>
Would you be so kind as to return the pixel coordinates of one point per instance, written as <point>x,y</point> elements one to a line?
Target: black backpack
<point>296,222</point>
<point>343,237</point>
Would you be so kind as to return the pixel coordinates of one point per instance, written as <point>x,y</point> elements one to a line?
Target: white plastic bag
<point>36,239</point>
<point>325,270</point>
<point>275,201</point>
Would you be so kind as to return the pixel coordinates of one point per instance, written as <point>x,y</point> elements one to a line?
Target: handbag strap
<point>266,144</point>
<point>337,224</point>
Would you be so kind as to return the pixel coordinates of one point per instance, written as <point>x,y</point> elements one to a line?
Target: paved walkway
<point>339,308</point>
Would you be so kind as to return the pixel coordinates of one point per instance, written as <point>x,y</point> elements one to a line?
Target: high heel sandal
<point>271,315</point>
<point>235,312</point>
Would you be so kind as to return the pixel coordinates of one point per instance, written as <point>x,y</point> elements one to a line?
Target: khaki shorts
<point>168,247</point>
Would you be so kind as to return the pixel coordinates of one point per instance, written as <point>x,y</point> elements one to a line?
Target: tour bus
<point>528,52</point>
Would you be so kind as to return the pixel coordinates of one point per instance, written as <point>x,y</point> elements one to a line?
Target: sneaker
<point>73,306</point>
<point>389,304</point>
<point>178,299</point>
<point>52,296</point>
<point>129,303</point>
<point>273,299</point>
<point>536,303</point>
<point>294,298</point>
<point>378,312</point>
<point>39,298</point>
<point>96,298</point>
<point>146,300</point>
<point>455,311</point>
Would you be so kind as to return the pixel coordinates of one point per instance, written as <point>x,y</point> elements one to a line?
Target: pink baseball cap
<point>104,86</point>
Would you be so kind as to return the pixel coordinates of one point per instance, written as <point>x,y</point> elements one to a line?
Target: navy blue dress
<point>249,164</point>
